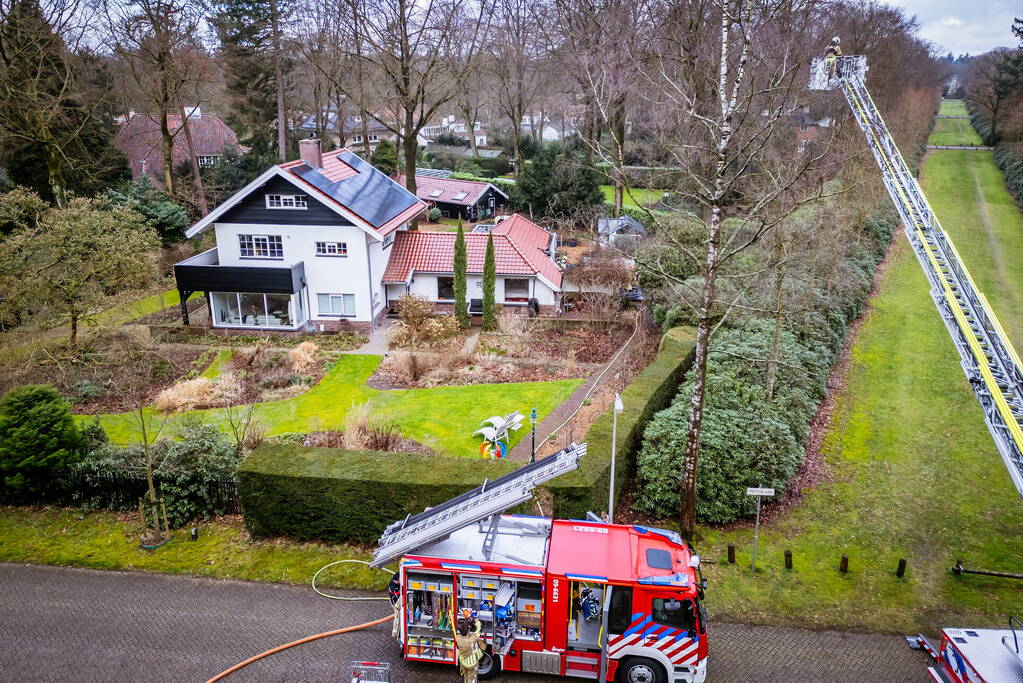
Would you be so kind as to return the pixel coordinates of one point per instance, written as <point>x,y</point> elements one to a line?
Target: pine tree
<point>385,158</point>
<point>38,436</point>
<point>460,266</point>
<point>248,41</point>
<point>489,284</point>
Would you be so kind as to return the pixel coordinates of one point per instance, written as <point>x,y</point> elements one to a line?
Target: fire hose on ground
<point>325,634</point>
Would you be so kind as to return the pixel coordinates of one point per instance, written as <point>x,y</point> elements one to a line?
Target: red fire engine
<point>976,655</point>
<point>559,597</point>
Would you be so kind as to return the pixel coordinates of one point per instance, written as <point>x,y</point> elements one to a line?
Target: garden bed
<point>255,375</point>
<point>418,370</point>
<point>335,439</point>
<point>560,341</point>
<point>336,341</point>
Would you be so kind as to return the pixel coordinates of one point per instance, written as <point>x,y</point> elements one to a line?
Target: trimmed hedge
<point>336,495</point>
<point>653,389</point>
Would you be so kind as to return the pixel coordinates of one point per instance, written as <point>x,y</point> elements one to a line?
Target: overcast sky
<point>961,26</point>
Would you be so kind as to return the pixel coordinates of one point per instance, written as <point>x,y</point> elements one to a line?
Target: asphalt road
<point>60,624</point>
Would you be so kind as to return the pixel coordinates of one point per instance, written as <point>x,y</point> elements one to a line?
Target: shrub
<point>38,436</point>
<point>189,471</point>
<point>200,392</point>
<point>366,430</point>
<point>434,215</point>
<point>303,357</point>
<point>418,326</point>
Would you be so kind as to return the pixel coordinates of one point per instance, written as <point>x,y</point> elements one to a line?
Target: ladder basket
<point>374,672</point>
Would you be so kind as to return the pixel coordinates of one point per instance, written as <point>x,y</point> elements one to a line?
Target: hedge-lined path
<point>74,624</point>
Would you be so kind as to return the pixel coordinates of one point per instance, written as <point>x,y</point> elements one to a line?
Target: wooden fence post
<point>901,571</point>
<point>731,554</point>
<point>843,566</point>
<point>788,559</point>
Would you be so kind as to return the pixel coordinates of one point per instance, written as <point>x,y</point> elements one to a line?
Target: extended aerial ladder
<point>986,354</point>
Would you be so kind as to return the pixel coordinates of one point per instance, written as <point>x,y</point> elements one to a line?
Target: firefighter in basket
<point>467,642</point>
<point>831,56</point>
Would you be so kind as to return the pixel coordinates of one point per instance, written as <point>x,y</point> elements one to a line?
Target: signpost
<point>758,493</point>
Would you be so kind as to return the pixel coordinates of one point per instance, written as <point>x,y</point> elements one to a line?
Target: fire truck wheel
<point>488,667</point>
<point>640,670</point>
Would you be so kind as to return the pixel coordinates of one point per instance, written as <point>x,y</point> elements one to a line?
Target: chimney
<point>309,151</point>
<point>193,112</point>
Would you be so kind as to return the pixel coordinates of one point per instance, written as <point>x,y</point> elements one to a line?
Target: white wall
<point>426,285</point>
<point>324,274</point>
<point>378,263</point>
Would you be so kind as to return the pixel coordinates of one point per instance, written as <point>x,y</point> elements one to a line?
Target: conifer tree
<point>489,284</point>
<point>460,266</point>
<point>385,158</point>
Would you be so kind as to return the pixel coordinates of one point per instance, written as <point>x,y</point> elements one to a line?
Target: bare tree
<point>993,80</point>
<point>416,52</point>
<point>158,39</point>
<point>727,121</point>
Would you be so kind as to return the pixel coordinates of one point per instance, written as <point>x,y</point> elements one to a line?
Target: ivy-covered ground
<point>441,418</point>
<point>913,472</point>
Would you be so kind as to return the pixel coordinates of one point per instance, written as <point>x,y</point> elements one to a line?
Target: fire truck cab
<point>560,597</point>
<point>977,655</point>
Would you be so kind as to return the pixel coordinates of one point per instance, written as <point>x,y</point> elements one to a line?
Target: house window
<point>803,144</point>
<point>206,161</point>
<point>248,309</point>
<point>331,249</point>
<point>445,288</point>
<point>516,289</point>
<point>336,304</point>
<point>286,201</point>
<point>388,241</point>
<point>357,138</point>
<point>374,137</point>
<point>260,246</point>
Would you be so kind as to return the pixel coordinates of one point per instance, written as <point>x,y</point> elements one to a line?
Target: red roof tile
<point>428,187</point>
<point>433,252</point>
<point>139,138</point>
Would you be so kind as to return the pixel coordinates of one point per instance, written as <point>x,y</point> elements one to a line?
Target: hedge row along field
<point>336,495</point>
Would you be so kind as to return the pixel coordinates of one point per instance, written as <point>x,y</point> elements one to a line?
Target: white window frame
<point>374,137</point>
<point>206,160</point>
<point>339,297</point>
<point>290,202</point>
<point>296,303</point>
<point>356,139</point>
<point>266,246</point>
<point>332,249</point>
<point>460,196</point>
<point>388,241</point>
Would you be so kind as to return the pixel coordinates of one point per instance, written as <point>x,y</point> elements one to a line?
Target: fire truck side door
<point>616,617</point>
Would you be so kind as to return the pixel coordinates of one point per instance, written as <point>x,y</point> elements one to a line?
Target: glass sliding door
<point>250,309</point>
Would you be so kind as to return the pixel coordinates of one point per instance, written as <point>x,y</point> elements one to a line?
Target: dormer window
<point>436,193</point>
<point>286,201</point>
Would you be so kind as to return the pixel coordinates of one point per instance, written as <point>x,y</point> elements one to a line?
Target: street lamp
<point>532,421</point>
<point>619,407</point>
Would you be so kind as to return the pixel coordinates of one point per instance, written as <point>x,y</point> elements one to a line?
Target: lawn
<point>639,197</point>
<point>107,540</point>
<point>442,418</point>
<point>913,471</point>
<point>954,132</point>
<point>953,108</point>
<point>968,193</point>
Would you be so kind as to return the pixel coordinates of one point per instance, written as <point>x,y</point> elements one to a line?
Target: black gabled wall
<point>253,209</point>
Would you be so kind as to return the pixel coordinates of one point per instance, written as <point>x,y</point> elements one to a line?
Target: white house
<point>320,244</point>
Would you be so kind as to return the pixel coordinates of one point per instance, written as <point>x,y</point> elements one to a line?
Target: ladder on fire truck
<point>488,500</point>
<point>986,354</point>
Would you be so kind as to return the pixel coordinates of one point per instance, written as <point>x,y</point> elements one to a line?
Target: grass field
<point>442,418</point>
<point>913,471</point>
<point>639,197</point>
<point>953,108</point>
<point>954,132</point>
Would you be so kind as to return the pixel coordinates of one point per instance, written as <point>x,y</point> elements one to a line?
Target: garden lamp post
<point>619,407</point>
<point>532,421</point>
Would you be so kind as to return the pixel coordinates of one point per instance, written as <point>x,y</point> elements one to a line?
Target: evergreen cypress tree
<point>459,266</point>
<point>489,284</point>
<point>385,158</point>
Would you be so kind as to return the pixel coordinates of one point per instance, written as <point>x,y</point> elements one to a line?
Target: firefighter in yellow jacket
<point>831,56</point>
<point>467,640</point>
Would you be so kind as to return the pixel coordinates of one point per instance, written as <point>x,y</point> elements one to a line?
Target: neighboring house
<point>421,263</point>
<point>140,140</point>
<point>353,130</point>
<point>466,152</point>
<point>809,128</point>
<point>460,129</point>
<point>302,247</point>
<point>465,199</point>
<point>623,228</point>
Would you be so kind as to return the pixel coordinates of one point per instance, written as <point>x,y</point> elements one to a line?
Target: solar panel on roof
<point>371,194</point>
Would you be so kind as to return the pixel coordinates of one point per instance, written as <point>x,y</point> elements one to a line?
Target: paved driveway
<point>61,624</point>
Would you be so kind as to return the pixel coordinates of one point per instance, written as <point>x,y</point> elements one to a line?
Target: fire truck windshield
<point>680,614</point>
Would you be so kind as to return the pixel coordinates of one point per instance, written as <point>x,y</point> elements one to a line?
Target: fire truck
<point>577,598</point>
<point>976,655</point>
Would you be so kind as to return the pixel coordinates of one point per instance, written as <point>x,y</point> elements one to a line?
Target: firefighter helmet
<point>836,40</point>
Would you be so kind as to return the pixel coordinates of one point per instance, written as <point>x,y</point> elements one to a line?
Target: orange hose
<point>250,660</point>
